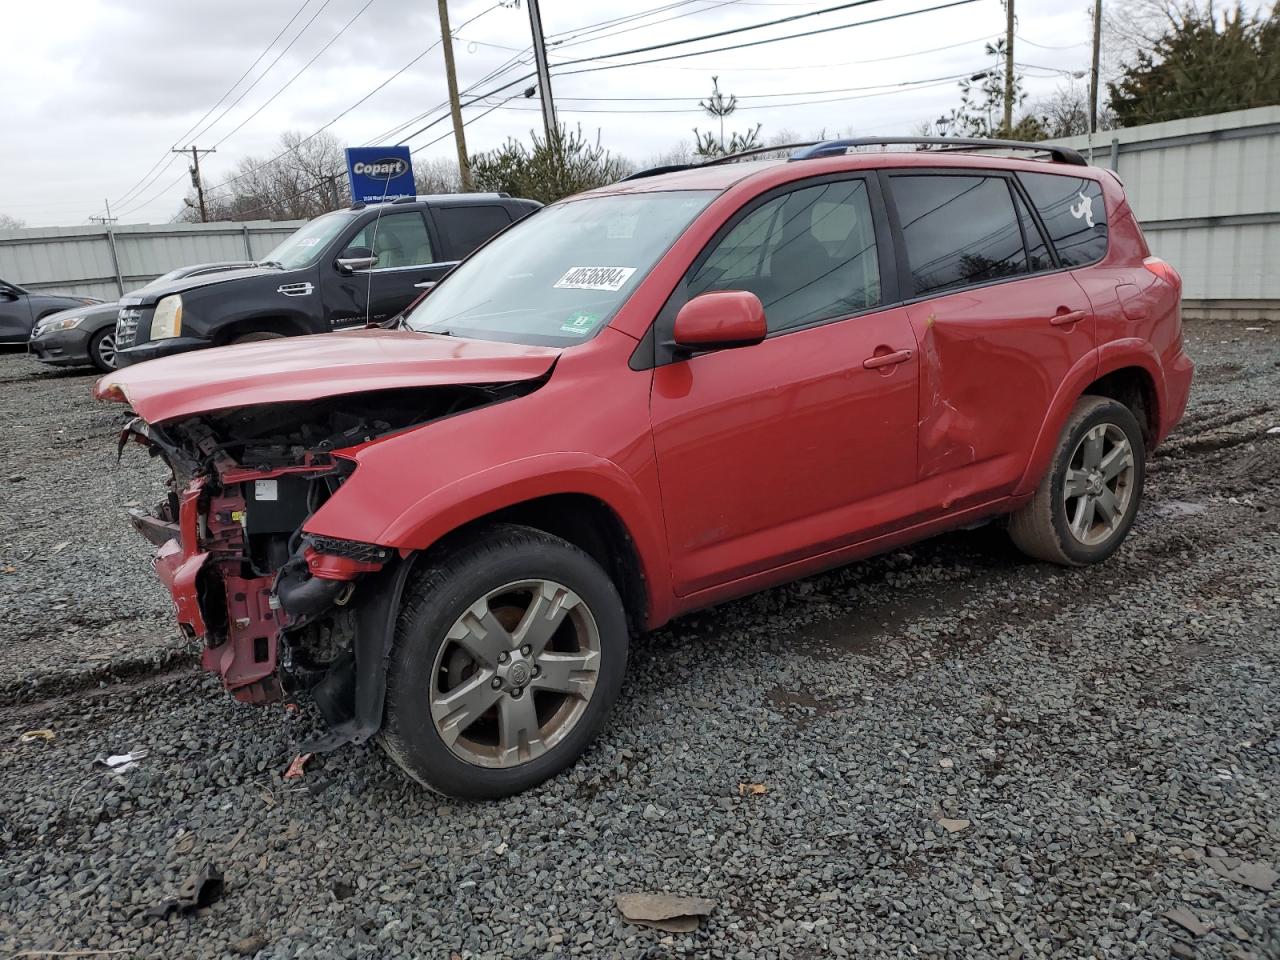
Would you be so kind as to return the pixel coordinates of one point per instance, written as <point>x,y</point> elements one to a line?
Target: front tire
<point>1085,504</point>
<point>509,652</point>
<point>102,349</point>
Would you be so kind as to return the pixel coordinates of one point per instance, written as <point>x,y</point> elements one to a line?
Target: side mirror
<point>720,319</point>
<point>8,293</point>
<point>356,258</point>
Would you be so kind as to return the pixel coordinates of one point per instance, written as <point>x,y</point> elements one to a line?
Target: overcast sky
<point>94,92</point>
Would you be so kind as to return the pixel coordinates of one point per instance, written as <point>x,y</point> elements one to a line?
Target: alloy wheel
<point>1098,487</point>
<point>107,351</point>
<point>515,673</point>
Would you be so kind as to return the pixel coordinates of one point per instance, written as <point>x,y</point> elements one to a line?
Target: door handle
<point>425,284</point>
<point>1065,319</point>
<point>886,359</point>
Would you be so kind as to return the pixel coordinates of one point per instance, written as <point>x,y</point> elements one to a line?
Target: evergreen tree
<point>1202,64</point>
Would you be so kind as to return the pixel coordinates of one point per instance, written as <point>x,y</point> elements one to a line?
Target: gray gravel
<point>1110,736</point>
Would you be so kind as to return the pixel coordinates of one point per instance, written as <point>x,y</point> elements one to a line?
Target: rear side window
<point>809,255</point>
<point>1073,212</point>
<point>958,230</point>
<point>467,227</point>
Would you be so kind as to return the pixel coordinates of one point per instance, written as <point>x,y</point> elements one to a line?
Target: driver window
<point>809,255</point>
<point>398,239</point>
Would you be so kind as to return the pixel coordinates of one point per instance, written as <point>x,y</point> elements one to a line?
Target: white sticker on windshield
<point>595,278</point>
<point>308,241</point>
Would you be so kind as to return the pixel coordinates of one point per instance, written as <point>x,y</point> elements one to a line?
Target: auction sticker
<point>595,278</point>
<point>580,324</point>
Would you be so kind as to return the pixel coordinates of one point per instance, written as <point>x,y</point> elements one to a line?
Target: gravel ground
<point>962,754</point>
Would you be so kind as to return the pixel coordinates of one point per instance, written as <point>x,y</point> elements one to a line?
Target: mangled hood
<point>307,368</point>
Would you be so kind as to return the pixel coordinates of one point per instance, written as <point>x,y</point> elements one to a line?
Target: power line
<point>318,131</point>
<point>905,87</point>
<point>829,66</point>
<point>725,33</point>
<point>258,79</point>
<point>506,86</point>
<point>243,93</point>
<point>266,103</point>
<point>789,93</point>
<point>757,43</point>
<point>297,13</point>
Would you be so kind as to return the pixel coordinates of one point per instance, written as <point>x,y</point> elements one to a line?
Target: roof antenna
<point>373,248</point>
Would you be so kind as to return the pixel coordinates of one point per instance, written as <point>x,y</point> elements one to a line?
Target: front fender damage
<point>280,614</point>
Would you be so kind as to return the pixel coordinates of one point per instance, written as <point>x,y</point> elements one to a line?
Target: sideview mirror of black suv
<point>356,258</point>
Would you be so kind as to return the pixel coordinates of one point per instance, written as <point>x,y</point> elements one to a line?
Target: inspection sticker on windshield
<point>580,324</point>
<point>595,278</point>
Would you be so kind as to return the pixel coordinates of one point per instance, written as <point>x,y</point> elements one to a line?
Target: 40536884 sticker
<point>595,278</point>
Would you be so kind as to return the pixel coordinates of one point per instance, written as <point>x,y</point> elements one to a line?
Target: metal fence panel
<point>1207,192</point>
<point>109,261</point>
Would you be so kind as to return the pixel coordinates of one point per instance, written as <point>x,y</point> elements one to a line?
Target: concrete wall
<point>106,262</point>
<point>1207,192</point>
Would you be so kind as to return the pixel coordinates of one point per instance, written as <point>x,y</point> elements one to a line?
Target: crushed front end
<point>279,612</point>
<point>269,605</point>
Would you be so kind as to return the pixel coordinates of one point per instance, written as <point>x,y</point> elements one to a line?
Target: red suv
<point>650,398</point>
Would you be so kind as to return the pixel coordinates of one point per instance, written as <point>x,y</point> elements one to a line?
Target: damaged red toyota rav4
<point>647,399</point>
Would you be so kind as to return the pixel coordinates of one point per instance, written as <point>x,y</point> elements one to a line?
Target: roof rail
<point>731,157</point>
<point>728,158</point>
<point>833,148</point>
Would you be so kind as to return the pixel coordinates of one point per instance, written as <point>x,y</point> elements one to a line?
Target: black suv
<point>343,269</point>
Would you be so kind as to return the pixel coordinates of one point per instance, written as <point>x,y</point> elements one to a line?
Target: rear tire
<point>1085,504</point>
<point>102,349</point>
<point>509,652</point>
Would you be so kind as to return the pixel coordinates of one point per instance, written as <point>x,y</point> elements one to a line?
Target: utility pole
<point>455,108</point>
<point>1093,73</point>
<point>544,75</point>
<point>195,177</point>
<point>1008,69</point>
<point>108,218</point>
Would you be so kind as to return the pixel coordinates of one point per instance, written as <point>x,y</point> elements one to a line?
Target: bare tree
<point>304,179</point>
<point>439,175</point>
<point>11,223</point>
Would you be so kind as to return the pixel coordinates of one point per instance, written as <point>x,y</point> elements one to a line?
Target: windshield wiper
<point>271,263</point>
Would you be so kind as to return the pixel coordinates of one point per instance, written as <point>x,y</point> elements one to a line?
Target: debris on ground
<point>1256,875</point>
<point>953,825</point>
<point>1188,921</point>
<point>295,768</point>
<point>202,890</point>
<point>752,789</point>
<point>664,911</point>
<point>250,945</point>
<point>31,736</point>
<point>120,762</point>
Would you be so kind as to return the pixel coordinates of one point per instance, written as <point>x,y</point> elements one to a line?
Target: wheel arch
<point>265,323</point>
<point>586,500</point>
<point>1124,370</point>
<point>588,523</point>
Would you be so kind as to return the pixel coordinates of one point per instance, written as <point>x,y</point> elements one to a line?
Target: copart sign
<point>379,173</point>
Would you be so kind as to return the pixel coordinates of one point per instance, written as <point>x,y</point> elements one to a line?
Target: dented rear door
<point>998,326</point>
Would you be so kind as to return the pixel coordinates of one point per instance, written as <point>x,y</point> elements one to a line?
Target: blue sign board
<point>379,173</point>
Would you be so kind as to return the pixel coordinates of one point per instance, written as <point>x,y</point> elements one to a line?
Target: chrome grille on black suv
<point>127,326</point>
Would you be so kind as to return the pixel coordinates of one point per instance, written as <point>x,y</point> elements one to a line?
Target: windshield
<point>559,276</point>
<point>304,245</point>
